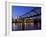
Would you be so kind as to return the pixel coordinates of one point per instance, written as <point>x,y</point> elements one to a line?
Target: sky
<point>20,10</point>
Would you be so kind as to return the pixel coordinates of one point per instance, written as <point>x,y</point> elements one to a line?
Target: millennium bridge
<point>28,21</point>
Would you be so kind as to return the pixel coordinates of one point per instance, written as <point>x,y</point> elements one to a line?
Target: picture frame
<point>8,17</point>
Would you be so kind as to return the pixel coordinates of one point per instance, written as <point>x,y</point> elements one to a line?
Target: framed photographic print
<point>23,17</point>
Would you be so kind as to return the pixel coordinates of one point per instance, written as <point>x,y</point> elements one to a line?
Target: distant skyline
<point>20,10</point>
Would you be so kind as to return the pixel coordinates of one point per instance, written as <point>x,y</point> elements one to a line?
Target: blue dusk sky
<point>20,10</point>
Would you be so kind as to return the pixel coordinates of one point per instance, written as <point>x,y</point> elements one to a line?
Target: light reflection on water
<point>28,27</point>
